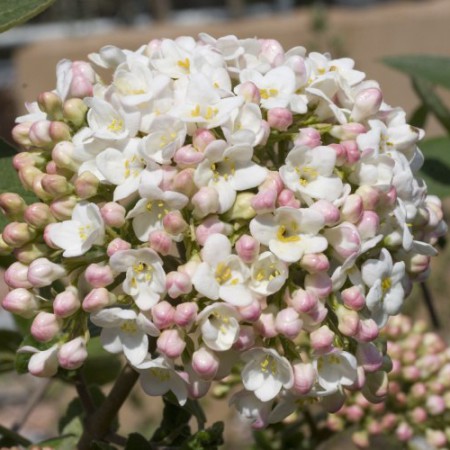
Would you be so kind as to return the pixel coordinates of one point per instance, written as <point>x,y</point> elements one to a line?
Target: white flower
<point>123,330</point>
<point>268,274</point>
<point>266,372</point>
<point>386,293</point>
<point>372,170</point>
<point>221,274</point>
<point>158,377</point>
<point>122,168</point>
<point>290,233</point>
<point>219,326</point>
<point>335,370</point>
<point>149,212</point>
<point>145,276</point>
<point>309,172</point>
<point>251,408</point>
<point>78,235</point>
<point>229,169</point>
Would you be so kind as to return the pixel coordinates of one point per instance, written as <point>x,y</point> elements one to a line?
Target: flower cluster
<point>417,407</point>
<point>219,209</point>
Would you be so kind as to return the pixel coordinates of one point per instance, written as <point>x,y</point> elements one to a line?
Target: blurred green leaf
<point>419,117</point>
<point>15,12</point>
<point>9,342</point>
<point>435,69</point>
<point>98,445</point>
<point>136,441</point>
<point>432,102</point>
<point>10,438</point>
<point>436,168</point>
<point>208,439</point>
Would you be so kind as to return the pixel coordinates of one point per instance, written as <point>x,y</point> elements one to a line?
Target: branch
<point>84,394</point>
<point>98,424</point>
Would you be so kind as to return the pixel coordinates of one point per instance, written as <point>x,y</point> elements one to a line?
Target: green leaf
<point>15,12</point>
<point>419,117</point>
<point>136,441</point>
<point>432,102</point>
<point>99,445</point>
<point>435,69</point>
<point>208,439</point>
<point>10,438</point>
<point>9,343</point>
<point>23,358</point>
<point>436,169</point>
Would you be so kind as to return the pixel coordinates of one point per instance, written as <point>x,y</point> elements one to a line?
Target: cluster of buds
<point>251,215</point>
<point>417,407</point>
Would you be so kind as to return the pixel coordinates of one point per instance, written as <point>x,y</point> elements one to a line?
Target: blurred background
<point>365,30</point>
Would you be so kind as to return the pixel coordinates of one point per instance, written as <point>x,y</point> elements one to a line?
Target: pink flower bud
<point>416,264</point>
<point>86,185</point>
<point>72,354</point>
<point>38,189</point>
<point>370,196</point>
<point>287,198</point>
<point>21,134</point>
<point>202,138</point>
<point>272,51</point>
<point>354,413</point>
<point>352,208</point>
<point>404,432</point>
<point>98,299</point>
<point>22,302</point>
<point>45,326</point>
<point>38,215</point>
<point>411,373</point>
<point>171,343</point>
<point>66,303</point>
<point>279,118</point>
<point>361,439</point>
<point>266,324</point>
<point>303,301</point>
<point>304,378</point>
<point>322,339</point>
<point>205,202</point>
<point>174,223</point>
<point>178,283</point>
<point>117,245</point>
<point>12,205</point>
<point>436,438</point>
<point>44,363</point>
<point>160,241</point>
<point>249,91</point>
<point>368,225</point>
<point>315,262</point>
<point>62,208</point>
<point>352,153</point>
<point>435,405</point>
<point>251,312</point>
<point>74,111</point>
<point>185,314</point>
<point>211,225</point>
<point>309,137</point>
<point>246,339</point>
<point>419,415</point>
<point>247,247</point>
<point>347,131</point>
<point>16,276</point>
<point>367,103</point>
<point>98,275</point>
<point>184,182</point>
<point>28,175</point>
<point>56,185</point>
<point>353,298</point>
<point>163,314</point>
<point>242,208</point>
<point>288,323</point>
<point>319,283</point>
<point>29,252</point>
<point>205,363</point>
<point>28,159</point>
<point>345,240</point>
<point>42,272</point>
<point>273,181</point>
<point>264,201</point>
<point>188,156</point>
<point>113,214</point>
<point>330,213</point>
<point>341,154</point>
<point>369,357</point>
<point>367,331</point>
<point>349,322</point>
<point>168,175</point>
<point>17,234</point>
<point>39,133</point>
<point>59,131</point>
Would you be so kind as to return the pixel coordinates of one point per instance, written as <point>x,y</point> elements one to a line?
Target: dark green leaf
<point>208,439</point>
<point>419,117</point>
<point>98,445</point>
<point>15,12</point>
<point>436,169</point>
<point>6,149</point>
<point>12,437</point>
<point>435,69</point>
<point>194,407</point>
<point>10,341</point>
<point>432,102</point>
<point>56,442</point>
<point>137,442</point>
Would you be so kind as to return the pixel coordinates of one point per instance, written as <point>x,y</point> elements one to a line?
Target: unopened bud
<point>38,215</point>
<point>367,103</point>
<point>353,298</point>
<point>264,201</point>
<point>174,223</point>
<point>50,103</point>
<point>113,214</point>
<point>44,363</point>
<point>171,343</point>
<point>12,205</point>
<point>98,275</point>
<point>246,338</point>
<point>309,137</point>
<point>56,185</point>
<point>22,302</point>
<point>29,252</point>
<point>163,314</point>
<point>178,283</point>
<point>205,202</point>
<point>345,240</point>
<point>45,326</point>
<point>205,363</point>
<point>304,377</point>
<point>319,283</point>
<point>185,314</point>
<point>247,247</point>
<point>117,245</point>
<point>74,111</point>
<point>211,225</point>
<point>67,302</point>
<point>202,138</point>
<point>72,354</point>
<point>303,301</point>
<point>322,339</point>
<point>347,131</point>
<point>266,324</point>
<point>349,322</point>
<point>242,207</point>
<point>288,323</point>
<point>98,299</point>
<point>330,213</point>
<point>16,276</point>
<point>86,185</point>
<point>21,134</point>
<point>188,156</point>
<point>62,208</point>
<point>367,331</point>
<point>287,198</point>
<point>184,182</point>
<point>251,312</point>
<point>279,118</point>
<point>370,196</point>
<point>315,262</point>
<point>42,272</point>
<point>161,242</point>
<point>39,134</point>
<point>352,208</point>
<point>368,225</point>
<point>17,234</point>
<point>249,91</point>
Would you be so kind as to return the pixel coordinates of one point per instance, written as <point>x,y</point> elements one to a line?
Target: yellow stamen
<point>116,125</point>
<point>281,235</point>
<point>184,64</point>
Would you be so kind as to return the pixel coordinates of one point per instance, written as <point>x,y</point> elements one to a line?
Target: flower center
<point>129,326</point>
<point>161,374</point>
<point>207,113</point>
<point>267,93</point>
<point>386,284</point>
<point>142,272</point>
<point>158,207</point>
<point>224,274</point>
<point>224,169</point>
<point>221,322</point>
<point>116,125</point>
<point>184,64</point>
<point>306,174</point>
<point>84,230</point>
<point>288,235</point>
<point>267,273</point>
<point>268,364</point>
